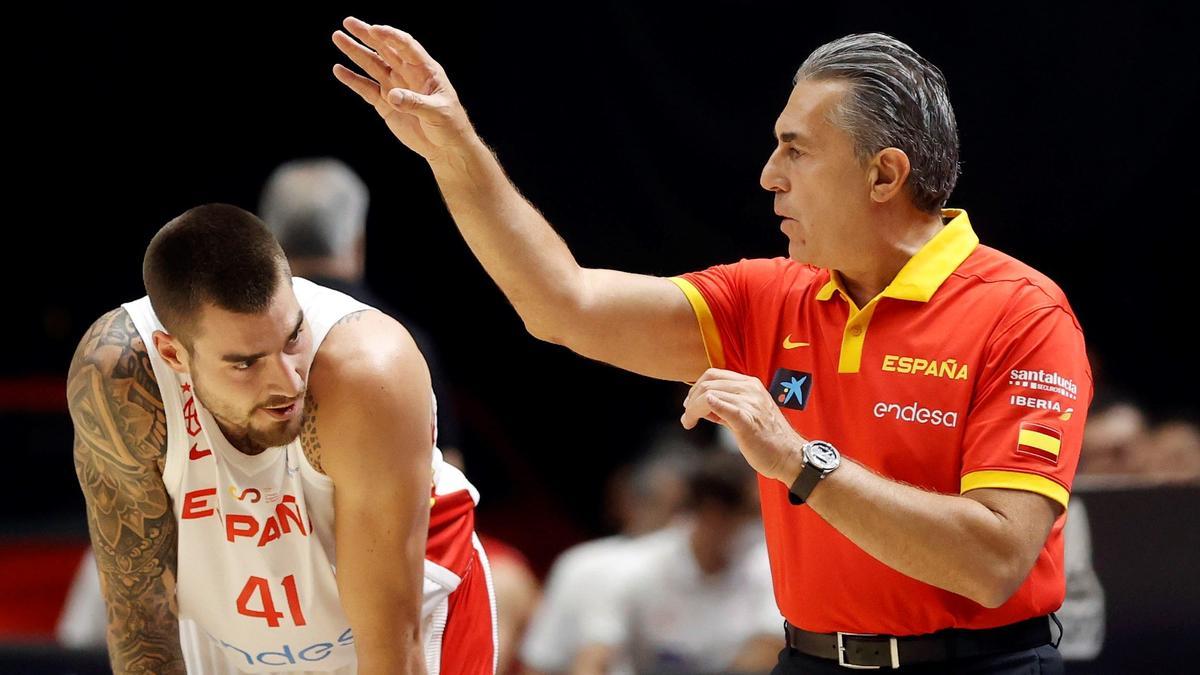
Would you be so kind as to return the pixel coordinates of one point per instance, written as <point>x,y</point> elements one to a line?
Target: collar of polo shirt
<point>917,281</point>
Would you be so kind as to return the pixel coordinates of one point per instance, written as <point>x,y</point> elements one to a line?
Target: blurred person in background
<point>317,208</point>
<point>1125,445</point>
<point>84,619</point>
<point>644,498</point>
<point>697,598</point>
<point>1082,611</point>
<point>518,593</point>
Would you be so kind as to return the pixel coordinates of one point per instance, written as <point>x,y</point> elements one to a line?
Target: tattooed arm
<point>120,443</point>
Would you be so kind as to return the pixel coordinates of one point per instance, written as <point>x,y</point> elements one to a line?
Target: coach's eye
<point>243,365</point>
<point>794,153</point>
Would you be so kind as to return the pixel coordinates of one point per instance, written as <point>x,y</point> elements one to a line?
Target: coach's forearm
<point>516,245</point>
<point>948,541</point>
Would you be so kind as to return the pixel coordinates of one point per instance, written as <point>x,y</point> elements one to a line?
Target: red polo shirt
<point>968,371</point>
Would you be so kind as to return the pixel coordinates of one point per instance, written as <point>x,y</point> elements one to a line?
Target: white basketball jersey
<point>256,581</point>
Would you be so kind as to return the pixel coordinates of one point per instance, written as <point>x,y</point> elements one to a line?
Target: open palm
<point>408,89</point>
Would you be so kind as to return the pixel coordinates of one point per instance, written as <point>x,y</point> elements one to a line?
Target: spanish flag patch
<point>1040,441</point>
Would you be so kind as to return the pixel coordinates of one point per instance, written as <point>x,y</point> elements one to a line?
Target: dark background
<point>639,132</point>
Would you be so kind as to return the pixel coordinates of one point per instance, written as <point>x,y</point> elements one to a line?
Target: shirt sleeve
<point>721,296</point>
<point>1025,424</point>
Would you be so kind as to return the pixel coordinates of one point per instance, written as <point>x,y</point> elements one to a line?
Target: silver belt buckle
<point>841,649</point>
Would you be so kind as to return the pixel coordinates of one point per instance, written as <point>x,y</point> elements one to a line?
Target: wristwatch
<point>820,460</point>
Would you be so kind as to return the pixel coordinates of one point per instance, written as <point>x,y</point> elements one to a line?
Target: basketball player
<point>263,488</point>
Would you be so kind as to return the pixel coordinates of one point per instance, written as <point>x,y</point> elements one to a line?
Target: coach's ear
<point>172,350</point>
<point>887,174</point>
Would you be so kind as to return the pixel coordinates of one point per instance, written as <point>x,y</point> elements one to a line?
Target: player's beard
<point>249,432</point>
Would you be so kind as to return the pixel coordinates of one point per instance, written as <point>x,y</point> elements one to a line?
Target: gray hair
<point>315,207</point>
<point>897,99</point>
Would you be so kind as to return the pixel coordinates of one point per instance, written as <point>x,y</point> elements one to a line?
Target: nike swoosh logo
<point>197,454</point>
<point>788,344</point>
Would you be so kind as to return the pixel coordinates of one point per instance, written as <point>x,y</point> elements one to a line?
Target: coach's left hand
<point>742,404</point>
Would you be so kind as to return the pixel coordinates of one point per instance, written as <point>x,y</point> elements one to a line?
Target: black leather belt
<point>856,650</point>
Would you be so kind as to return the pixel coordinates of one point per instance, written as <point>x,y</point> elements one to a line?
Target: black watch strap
<point>805,482</point>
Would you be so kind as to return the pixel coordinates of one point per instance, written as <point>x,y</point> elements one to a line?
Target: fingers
<point>721,374</point>
<point>368,60</point>
<point>715,379</point>
<point>727,406</point>
<point>381,55</point>
<point>724,397</point>
<point>409,101</point>
<point>366,88</point>
<point>696,409</point>
<point>405,46</point>
<point>359,29</point>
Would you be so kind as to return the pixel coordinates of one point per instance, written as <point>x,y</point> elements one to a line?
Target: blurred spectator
<point>317,209</point>
<point>695,599</point>
<point>643,499</point>
<point>1175,451</point>
<point>84,619</point>
<point>1113,439</point>
<point>517,595</point>
<point>1122,445</point>
<point>1082,611</point>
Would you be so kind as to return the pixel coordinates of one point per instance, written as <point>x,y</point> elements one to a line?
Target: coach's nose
<point>773,178</point>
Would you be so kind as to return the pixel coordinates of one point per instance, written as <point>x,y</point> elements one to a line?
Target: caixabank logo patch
<point>791,388</point>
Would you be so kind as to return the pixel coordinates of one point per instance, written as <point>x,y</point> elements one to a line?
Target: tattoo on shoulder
<point>120,443</point>
<point>352,317</point>
<point>114,399</point>
<point>308,434</point>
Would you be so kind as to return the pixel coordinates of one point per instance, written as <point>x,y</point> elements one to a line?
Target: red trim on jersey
<point>451,524</point>
<point>467,645</point>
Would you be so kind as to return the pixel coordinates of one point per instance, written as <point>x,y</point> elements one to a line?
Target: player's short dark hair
<point>897,99</point>
<point>212,254</point>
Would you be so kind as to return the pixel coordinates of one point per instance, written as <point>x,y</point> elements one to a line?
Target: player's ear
<point>172,350</point>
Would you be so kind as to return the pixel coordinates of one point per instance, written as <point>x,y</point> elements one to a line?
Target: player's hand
<point>408,89</point>
<point>741,403</point>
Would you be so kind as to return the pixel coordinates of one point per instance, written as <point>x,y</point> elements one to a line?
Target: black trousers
<point>1044,660</point>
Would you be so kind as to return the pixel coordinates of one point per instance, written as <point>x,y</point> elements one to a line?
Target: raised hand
<point>408,89</point>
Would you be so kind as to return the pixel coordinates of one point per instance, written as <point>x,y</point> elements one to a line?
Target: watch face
<point>823,455</point>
